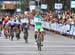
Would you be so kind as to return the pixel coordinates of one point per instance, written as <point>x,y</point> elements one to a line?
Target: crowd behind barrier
<point>52,22</point>
<point>68,29</point>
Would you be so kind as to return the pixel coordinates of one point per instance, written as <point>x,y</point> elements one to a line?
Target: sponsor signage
<point>58,6</point>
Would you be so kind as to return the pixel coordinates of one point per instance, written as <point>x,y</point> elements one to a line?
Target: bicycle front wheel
<point>39,43</point>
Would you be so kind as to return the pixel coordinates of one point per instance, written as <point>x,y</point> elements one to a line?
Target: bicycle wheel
<point>26,36</point>
<point>0,33</point>
<point>39,42</point>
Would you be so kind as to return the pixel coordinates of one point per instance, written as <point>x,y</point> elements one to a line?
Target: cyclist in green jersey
<point>38,25</point>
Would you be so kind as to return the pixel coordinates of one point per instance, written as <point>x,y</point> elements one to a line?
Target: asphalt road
<point>54,44</point>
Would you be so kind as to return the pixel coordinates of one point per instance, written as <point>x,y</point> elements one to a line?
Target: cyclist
<point>14,26</point>
<point>38,24</point>
<point>24,25</point>
<point>24,21</point>
<point>7,27</point>
<point>18,28</point>
<point>5,20</point>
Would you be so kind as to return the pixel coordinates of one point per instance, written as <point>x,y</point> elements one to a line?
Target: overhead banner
<point>58,6</point>
<point>72,4</point>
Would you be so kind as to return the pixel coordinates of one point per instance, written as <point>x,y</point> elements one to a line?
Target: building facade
<point>8,4</point>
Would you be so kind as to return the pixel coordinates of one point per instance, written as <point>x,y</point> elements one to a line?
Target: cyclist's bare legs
<point>42,36</point>
<point>35,35</point>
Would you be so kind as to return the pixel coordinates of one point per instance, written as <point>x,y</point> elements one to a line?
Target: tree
<point>0,6</point>
<point>50,4</point>
<point>22,5</point>
<point>17,5</point>
<point>66,4</point>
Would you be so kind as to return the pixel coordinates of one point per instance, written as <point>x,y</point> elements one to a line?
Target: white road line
<point>37,52</point>
<point>18,52</point>
<point>62,46</point>
<point>32,40</point>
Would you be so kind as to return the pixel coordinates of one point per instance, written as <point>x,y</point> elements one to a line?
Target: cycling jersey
<point>18,22</point>
<point>37,19</point>
<point>24,20</point>
<point>6,19</point>
<point>38,23</point>
<point>11,24</point>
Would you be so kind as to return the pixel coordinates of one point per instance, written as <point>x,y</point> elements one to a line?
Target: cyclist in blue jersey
<point>14,26</point>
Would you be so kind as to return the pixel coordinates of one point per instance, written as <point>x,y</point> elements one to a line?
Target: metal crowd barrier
<point>67,29</point>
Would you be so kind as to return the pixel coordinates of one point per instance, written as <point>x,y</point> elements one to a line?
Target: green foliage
<point>18,5</point>
<point>21,5</point>
<point>50,4</point>
<point>0,6</point>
